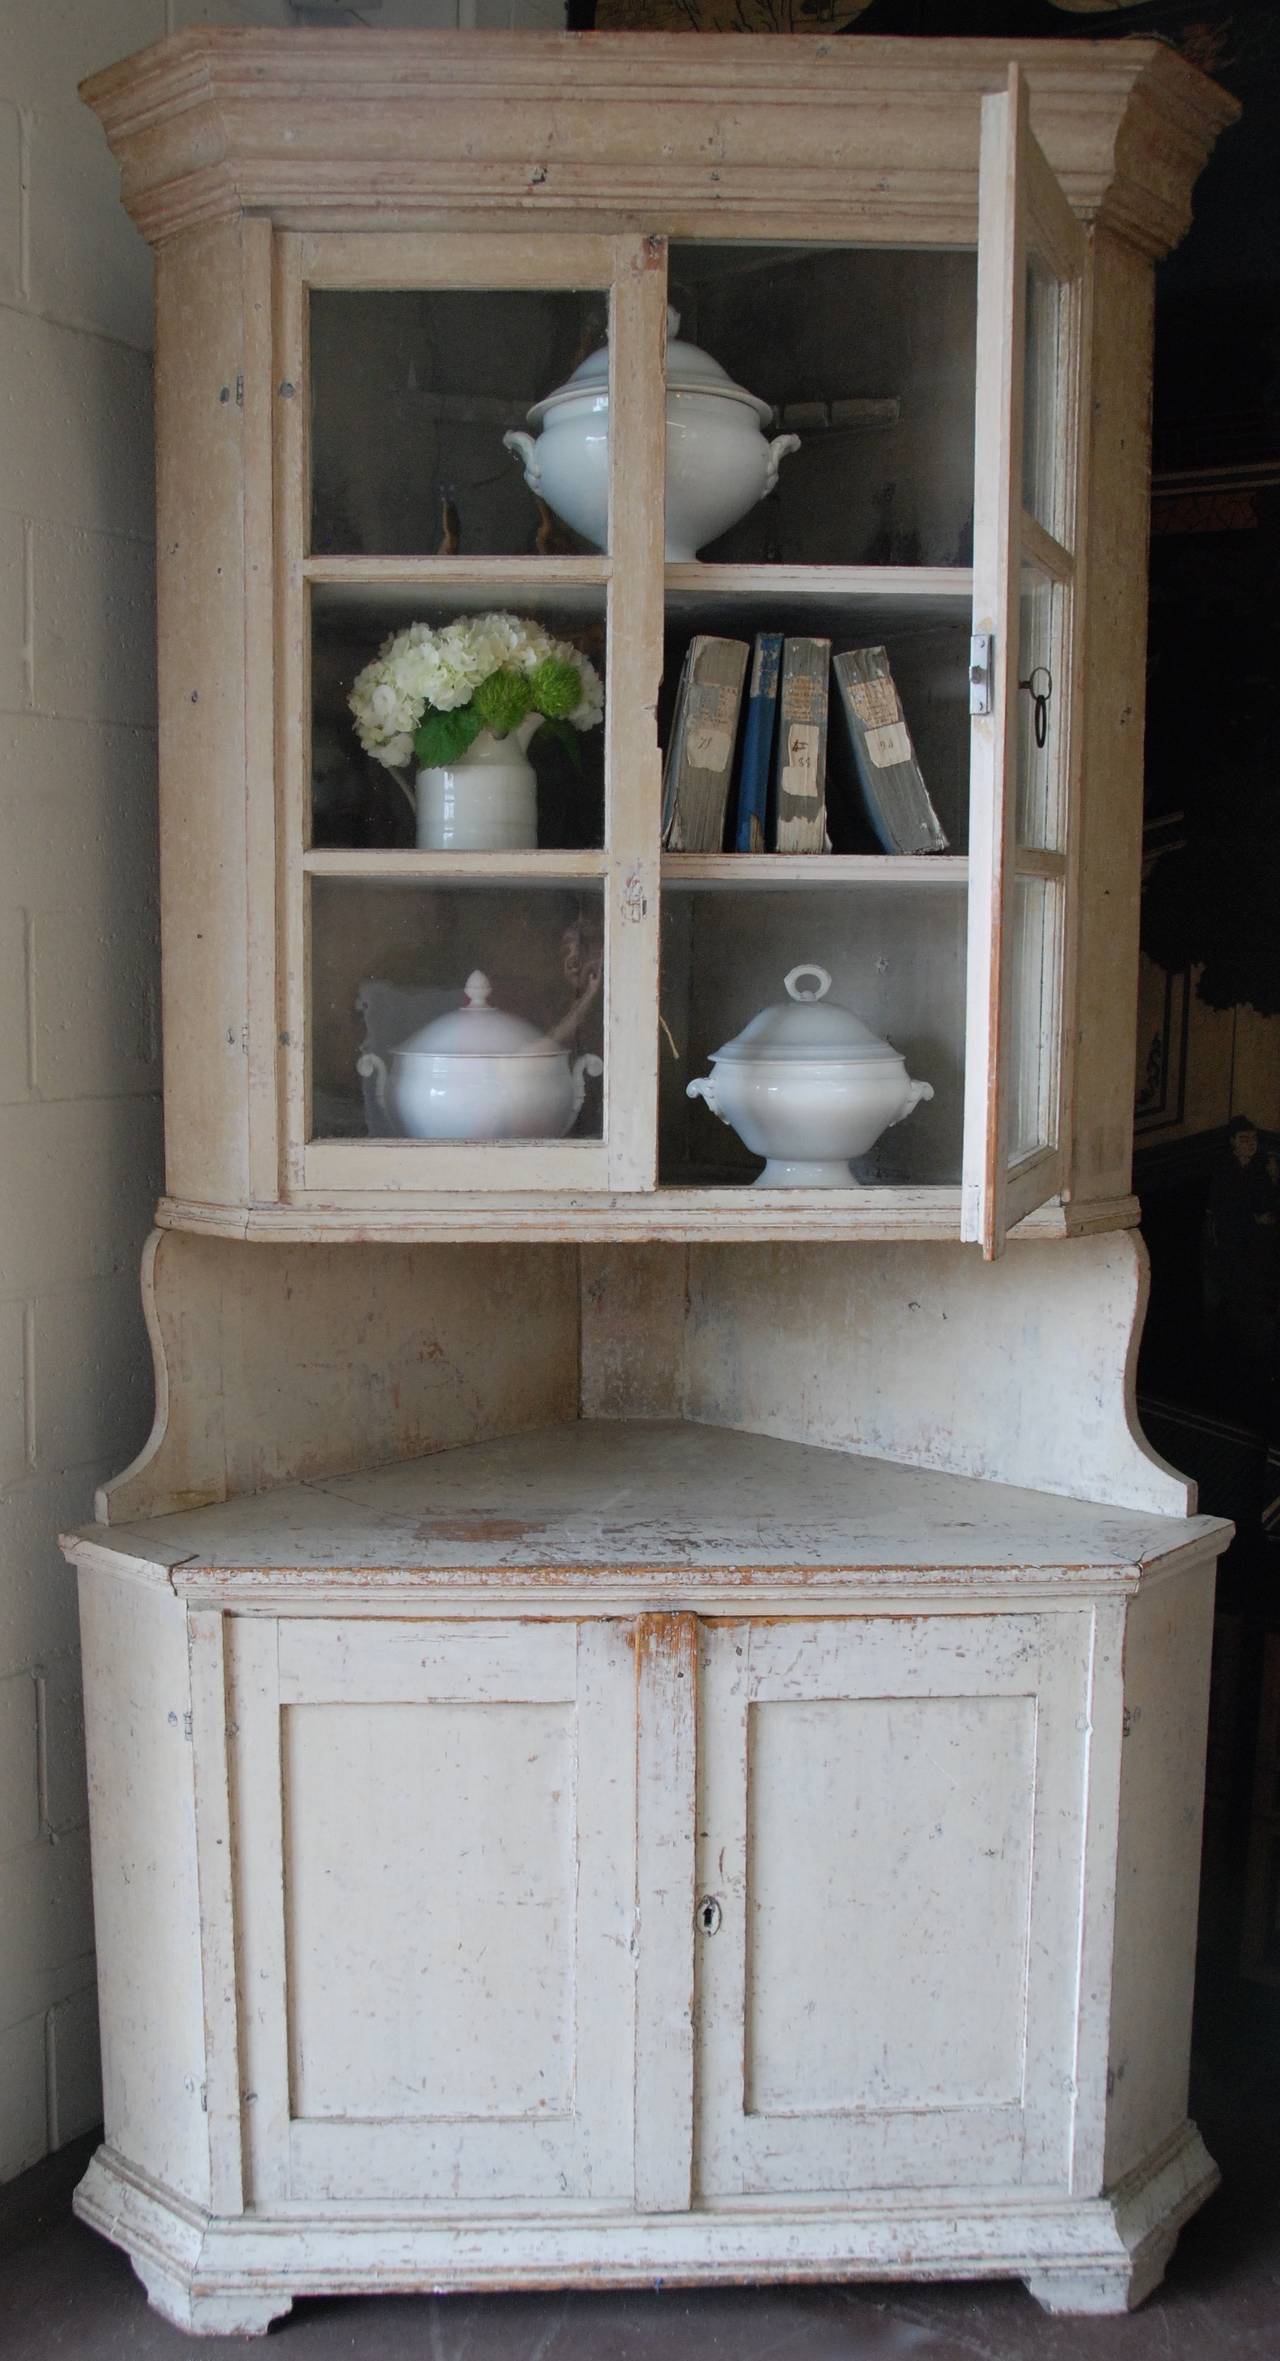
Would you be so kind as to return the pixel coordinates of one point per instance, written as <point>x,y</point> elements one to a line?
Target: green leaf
<point>567,736</point>
<point>441,738</point>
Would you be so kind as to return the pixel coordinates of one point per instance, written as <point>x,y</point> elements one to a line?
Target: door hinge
<point>981,659</point>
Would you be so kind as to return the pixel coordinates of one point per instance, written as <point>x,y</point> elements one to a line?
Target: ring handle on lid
<point>824,982</point>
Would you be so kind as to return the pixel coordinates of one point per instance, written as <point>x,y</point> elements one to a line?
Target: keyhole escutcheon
<point>709,1914</point>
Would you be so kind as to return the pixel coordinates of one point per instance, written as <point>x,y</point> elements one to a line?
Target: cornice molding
<point>352,128</point>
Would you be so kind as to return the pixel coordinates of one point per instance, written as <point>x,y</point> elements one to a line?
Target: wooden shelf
<point>398,587</point>
<point>691,1502</point>
<point>885,597</point>
<point>420,868</point>
<point>800,872</point>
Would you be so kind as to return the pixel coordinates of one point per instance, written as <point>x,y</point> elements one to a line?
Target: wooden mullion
<point>293,678</point>
<point>633,773</point>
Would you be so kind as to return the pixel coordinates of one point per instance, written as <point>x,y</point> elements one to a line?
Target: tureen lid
<point>477,1031</point>
<point>689,370</point>
<point>808,1025</point>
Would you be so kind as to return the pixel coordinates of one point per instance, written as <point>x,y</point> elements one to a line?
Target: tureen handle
<point>589,1063</point>
<point>705,1088</point>
<point>525,447</point>
<point>824,982</point>
<point>778,449</point>
<point>374,1069</point>
<point>916,1091</point>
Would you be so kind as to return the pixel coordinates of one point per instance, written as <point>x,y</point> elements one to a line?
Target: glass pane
<point>896,959</point>
<point>1040,752</point>
<point>1042,421</point>
<point>411,395</point>
<point>867,356</point>
<point>521,1060</point>
<point>1033,1047</point>
<point>357,801</point>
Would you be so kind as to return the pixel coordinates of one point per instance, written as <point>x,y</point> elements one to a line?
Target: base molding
<point>232,2275</point>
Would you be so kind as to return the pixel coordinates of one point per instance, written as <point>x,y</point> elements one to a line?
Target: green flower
<point>503,700</point>
<point>557,687</point>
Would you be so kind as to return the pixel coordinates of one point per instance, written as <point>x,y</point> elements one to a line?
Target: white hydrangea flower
<point>420,670</point>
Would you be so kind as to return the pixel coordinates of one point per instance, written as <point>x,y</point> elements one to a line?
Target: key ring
<point>1040,700</point>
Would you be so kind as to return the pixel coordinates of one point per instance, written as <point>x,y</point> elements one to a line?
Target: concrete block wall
<point>80,1146</point>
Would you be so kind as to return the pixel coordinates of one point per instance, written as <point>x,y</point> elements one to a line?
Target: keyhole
<point>708,1914</point>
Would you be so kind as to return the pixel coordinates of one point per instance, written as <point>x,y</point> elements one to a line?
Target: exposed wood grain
<point>411,127</point>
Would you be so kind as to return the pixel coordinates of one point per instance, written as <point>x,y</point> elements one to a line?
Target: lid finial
<point>477,989</point>
<point>793,987</point>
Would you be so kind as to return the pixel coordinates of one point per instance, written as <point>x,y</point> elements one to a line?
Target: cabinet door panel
<point>454,1825</point>
<point>1031,259</point>
<point>890,1823</point>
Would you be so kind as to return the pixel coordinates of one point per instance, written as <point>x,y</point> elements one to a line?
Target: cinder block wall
<point>79,1073</point>
<point>80,1163</point>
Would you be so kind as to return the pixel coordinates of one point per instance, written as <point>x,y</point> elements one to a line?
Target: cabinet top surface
<point>686,1503</point>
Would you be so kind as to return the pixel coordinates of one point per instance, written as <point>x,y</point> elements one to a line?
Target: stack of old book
<point>761,755</point>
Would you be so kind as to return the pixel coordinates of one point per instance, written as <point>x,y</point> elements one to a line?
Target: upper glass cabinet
<point>628,597</point>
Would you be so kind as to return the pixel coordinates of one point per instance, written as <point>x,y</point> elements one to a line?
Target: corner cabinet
<point>642,1725</point>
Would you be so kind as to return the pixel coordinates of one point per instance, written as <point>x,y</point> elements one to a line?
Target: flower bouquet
<point>464,702</point>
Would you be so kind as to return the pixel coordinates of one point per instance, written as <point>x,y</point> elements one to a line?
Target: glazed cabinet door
<point>1031,327</point>
<point>434,1832</point>
<point>890,1830</point>
<point>508,879</point>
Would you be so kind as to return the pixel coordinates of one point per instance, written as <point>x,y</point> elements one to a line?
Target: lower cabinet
<point>545,1948</point>
<point>863,1846</point>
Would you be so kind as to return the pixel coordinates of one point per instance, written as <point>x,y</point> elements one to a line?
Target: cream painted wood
<point>270,1365</point>
<point>890,1833</point>
<point>428,184</point>
<point>215,121</point>
<point>1022,211</point>
<point>526,1684</point>
<point>452,2022</point>
<point>666,1744</point>
<point>921,2100</point>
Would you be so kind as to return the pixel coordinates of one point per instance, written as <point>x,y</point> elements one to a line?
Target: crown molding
<point>347,128</point>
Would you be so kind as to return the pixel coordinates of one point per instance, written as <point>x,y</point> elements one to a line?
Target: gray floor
<point>67,2296</point>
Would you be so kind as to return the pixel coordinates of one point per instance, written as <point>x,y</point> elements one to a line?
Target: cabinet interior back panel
<point>896,957</point>
<point>881,339</point>
<point>417,1988</point>
<point>886,1962</point>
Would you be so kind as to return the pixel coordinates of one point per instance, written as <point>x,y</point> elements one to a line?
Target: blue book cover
<point>757,744</point>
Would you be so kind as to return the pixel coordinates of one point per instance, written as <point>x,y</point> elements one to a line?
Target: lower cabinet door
<point>435,1871</point>
<point>890,1828</point>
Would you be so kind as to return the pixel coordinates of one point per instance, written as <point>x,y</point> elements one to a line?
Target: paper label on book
<point>799,775</point>
<point>708,747</point>
<point>889,745</point>
<point>876,704</point>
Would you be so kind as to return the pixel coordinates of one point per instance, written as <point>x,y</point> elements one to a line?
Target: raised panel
<point>429,1866</point>
<point>443,2007</point>
<point>899,1925</point>
<point>891,1821</point>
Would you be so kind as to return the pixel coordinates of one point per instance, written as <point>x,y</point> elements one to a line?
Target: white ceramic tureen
<point>720,460</point>
<point>479,1074</point>
<point>808,1085</point>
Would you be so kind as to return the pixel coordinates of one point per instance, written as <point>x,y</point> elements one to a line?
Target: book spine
<point>703,734</point>
<point>894,795</point>
<point>801,825</point>
<point>757,745</point>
